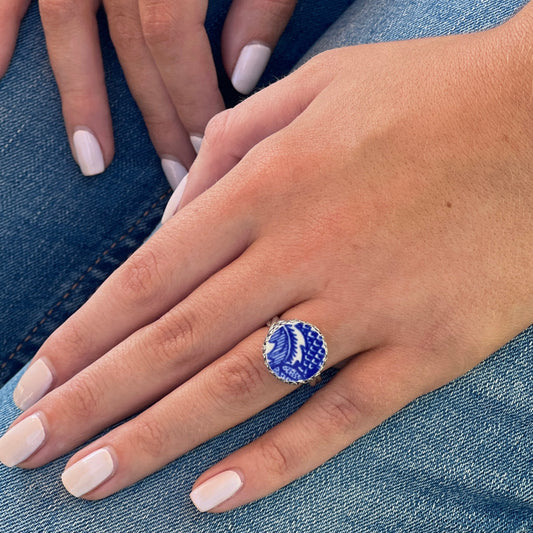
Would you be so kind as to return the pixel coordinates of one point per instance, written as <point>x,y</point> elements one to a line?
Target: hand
<point>166,57</point>
<point>373,193</point>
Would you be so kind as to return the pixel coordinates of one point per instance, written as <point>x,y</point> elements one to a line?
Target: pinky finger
<point>11,13</point>
<point>359,397</point>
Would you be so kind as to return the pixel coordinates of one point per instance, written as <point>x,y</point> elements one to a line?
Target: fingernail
<point>196,141</point>
<point>88,153</point>
<point>33,385</point>
<point>250,66</point>
<point>88,473</point>
<point>21,441</point>
<point>174,170</point>
<point>216,490</point>
<point>174,202</point>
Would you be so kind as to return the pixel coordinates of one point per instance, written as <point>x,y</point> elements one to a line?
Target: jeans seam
<point>79,281</point>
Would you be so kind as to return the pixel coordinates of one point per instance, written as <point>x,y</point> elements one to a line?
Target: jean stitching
<point>76,285</point>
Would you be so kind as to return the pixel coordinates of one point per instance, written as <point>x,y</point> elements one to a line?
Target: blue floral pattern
<point>294,351</point>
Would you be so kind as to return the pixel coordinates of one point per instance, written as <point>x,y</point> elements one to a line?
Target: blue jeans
<point>456,460</point>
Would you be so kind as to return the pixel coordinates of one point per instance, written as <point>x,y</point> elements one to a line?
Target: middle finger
<point>168,135</point>
<point>176,36</point>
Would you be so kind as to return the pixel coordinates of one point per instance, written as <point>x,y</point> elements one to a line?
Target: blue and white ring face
<point>294,351</point>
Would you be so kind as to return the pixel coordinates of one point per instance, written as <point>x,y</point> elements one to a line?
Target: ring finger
<point>227,392</point>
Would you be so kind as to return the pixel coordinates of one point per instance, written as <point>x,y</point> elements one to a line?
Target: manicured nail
<point>174,170</point>
<point>88,153</point>
<point>250,66</point>
<point>88,473</point>
<point>216,490</point>
<point>21,441</point>
<point>175,199</point>
<point>33,385</point>
<point>196,141</point>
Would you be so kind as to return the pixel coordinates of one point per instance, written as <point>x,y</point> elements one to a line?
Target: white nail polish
<point>33,385</point>
<point>250,66</point>
<point>216,490</point>
<point>21,441</point>
<point>88,153</point>
<point>174,202</point>
<point>88,473</point>
<point>174,171</point>
<point>196,141</point>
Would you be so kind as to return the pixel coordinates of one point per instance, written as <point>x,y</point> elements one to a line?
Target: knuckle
<point>138,280</point>
<point>174,339</point>
<point>57,10</point>
<point>159,25</point>
<point>218,129</point>
<point>124,27</point>
<point>274,457</point>
<point>239,378</point>
<point>327,61</point>
<point>315,66</point>
<point>71,338</point>
<point>150,438</point>
<point>339,412</point>
<point>83,398</point>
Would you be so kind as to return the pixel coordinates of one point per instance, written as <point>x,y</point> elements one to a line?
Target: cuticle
<point>52,370</point>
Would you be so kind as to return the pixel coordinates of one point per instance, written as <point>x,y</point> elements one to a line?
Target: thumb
<point>251,32</point>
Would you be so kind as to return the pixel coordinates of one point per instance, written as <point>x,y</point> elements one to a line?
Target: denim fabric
<point>457,460</point>
<point>371,21</point>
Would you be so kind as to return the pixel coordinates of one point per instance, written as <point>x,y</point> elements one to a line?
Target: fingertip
<point>22,440</point>
<point>250,66</point>
<point>88,473</point>
<point>33,385</point>
<point>88,152</point>
<point>196,141</point>
<point>251,32</point>
<point>218,489</point>
<point>174,170</point>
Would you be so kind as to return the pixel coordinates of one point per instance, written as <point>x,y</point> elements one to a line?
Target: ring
<point>294,351</point>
